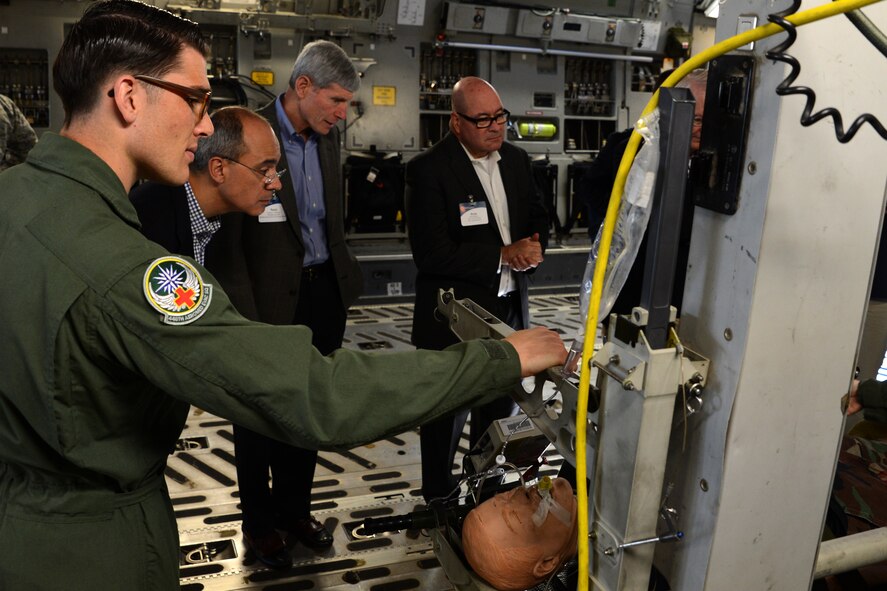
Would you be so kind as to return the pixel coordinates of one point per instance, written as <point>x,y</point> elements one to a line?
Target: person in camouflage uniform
<point>860,488</point>
<point>17,137</point>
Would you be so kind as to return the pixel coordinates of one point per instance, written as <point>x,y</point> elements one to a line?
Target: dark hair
<point>115,36</point>
<point>227,139</point>
<point>325,64</point>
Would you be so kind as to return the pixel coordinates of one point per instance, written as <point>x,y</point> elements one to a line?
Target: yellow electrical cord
<point>762,32</point>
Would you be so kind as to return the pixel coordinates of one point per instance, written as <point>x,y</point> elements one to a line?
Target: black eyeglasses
<point>268,177</point>
<point>484,122</point>
<point>198,99</point>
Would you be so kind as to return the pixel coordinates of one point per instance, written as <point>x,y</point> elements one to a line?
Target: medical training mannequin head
<point>507,549</point>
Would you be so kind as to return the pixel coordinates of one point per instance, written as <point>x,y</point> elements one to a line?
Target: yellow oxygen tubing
<point>762,32</point>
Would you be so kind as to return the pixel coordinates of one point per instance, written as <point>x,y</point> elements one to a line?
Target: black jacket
<point>465,258</point>
<point>163,212</point>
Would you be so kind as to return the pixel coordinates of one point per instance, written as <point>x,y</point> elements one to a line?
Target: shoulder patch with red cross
<point>174,288</point>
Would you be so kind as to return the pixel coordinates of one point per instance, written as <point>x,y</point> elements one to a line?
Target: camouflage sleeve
<point>17,137</point>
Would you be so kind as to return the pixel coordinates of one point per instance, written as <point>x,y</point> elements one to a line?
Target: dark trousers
<point>439,439</point>
<point>292,468</point>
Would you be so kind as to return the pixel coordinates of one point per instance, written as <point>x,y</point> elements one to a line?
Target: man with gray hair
<point>233,170</point>
<point>291,265</point>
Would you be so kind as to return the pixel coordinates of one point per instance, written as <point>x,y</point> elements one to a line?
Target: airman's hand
<point>538,348</point>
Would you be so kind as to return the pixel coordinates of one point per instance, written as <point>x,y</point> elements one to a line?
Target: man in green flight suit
<point>107,339</point>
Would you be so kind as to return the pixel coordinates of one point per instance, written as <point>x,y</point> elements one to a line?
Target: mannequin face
<point>505,547</point>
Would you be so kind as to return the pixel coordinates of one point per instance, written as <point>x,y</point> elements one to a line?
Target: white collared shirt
<point>487,170</point>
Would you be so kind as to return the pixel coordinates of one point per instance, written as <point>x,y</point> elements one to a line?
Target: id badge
<point>273,212</point>
<point>473,213</point>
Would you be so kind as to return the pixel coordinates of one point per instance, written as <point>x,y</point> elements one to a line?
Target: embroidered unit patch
<point>174,288</point>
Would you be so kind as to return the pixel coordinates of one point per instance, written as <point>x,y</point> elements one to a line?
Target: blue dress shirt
<point>303,162</point>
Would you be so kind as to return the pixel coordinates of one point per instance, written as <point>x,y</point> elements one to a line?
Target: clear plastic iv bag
<point>634,214</point>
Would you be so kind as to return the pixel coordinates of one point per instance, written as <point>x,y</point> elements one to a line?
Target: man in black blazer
<point>477,225</point>
<point>233,170</point>
<point>291,265</point>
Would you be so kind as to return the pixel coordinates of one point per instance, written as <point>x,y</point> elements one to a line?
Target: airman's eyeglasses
<point>484,122</point>
<point>267,177</point>
<point>197,98</point>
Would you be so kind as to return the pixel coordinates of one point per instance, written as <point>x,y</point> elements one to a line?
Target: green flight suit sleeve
<point>271,380</point>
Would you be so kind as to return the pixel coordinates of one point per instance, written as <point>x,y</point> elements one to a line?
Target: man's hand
<point>853,405</point>
<point>524,254</point>
<point>538,349</point>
